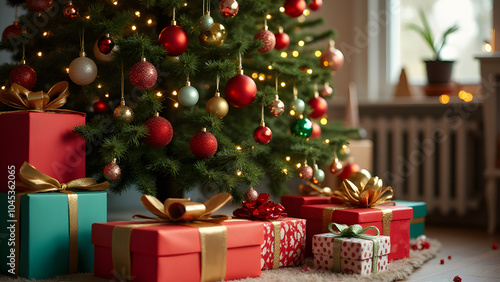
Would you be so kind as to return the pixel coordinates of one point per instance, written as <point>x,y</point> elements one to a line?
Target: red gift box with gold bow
<point>41,134</point>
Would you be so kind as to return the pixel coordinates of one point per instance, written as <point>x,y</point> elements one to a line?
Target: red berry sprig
<point>441,261</point>
<point>457,279</point>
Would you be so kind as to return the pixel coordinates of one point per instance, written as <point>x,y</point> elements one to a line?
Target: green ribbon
<point>353,231</point>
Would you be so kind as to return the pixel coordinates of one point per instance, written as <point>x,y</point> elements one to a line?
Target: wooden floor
<point>472,256</point>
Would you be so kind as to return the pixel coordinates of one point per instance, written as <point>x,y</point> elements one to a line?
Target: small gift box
<point>284,237</point>
<point>366,206</point>
<point>417,223</point>
<point>41,135</point>
<point>294,203</point>
<point>49,233</point>
<point>184,243</point>
<point>351,251</point>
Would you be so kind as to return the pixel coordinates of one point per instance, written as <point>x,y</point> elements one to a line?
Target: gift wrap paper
<point>417,223</point>
<point>293,203</point>
<point>284,243</point>
<point>356,255</point>
<point>44,233</point>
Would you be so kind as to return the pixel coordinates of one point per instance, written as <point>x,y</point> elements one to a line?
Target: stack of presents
<point>54,220</point>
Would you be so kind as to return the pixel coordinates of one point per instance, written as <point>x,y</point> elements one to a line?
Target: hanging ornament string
<point>240,66</point>
<point>295,92</point>
<point>217,83</point>
<point>23,60</point>
<point>122,100</point>
<point>82,43</point>
<point>277,106</point>
<point>262,123</point>
<point>173,17</point>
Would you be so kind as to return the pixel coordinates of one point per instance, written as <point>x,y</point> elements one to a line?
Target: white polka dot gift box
<point>351,251</point>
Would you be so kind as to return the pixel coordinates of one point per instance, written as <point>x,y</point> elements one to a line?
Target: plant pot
<point>439,72</point>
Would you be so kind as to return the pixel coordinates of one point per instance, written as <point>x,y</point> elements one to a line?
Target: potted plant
<point>438,71</point>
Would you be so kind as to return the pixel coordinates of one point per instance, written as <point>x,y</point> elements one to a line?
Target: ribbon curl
<point>21,98</point>
<point>364,195</point>
<point>183,209</point>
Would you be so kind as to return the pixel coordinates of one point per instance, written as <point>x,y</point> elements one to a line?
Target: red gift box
<point>396,218</point>
<point>293,203</point>
<point>289,234</point>
<point>171,252</point>
<point>46,141</point>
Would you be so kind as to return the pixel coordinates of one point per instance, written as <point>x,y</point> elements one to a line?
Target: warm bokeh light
<point>67,70</point>
<point>327,141</point>
<point>287,158</point>
<point>99,85</point>
<point>238,147</point>
<point>115,3</point>
<point>137,13</point>
<point>487,47</point>
<point>309,71</point>
<point>301,43</point>
<point>284,54</point>
<point>270,67</point>
<point>3,87</point>
<point>238,173</point>
<point>323,121</point>
<point>283,84</point>
<point>298,165</point>
<point>150,21</point>
<point>444,99</point>
<point>134,27</point>
<point>39,54</point>
<point>466,96</point>
<point>262,77</point>
<point>106,95</point>
<point>159,94</point>
<point>317,53</point>
<point>306,12</point>
<point>282,9</point>
<point>268,17</point>
<point>176,105</point>
<point>295,53</point>
<point>285,171</point>
<point>45,33</point>
<point>174,93</point>
<point>87,17</point>
<point>292,112</point>
<point>255,75</point>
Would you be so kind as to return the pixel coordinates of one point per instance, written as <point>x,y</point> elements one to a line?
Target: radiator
<point>436,159</point>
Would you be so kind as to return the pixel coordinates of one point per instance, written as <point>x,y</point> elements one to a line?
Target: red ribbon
<point>261,209</point>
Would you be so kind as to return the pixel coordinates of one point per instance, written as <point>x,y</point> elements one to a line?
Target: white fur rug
<point>399,269</point>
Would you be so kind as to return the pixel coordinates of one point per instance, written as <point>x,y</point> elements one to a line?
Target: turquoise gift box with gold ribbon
<point>417,223</point>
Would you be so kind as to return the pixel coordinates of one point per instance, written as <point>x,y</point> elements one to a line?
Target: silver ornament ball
<point>82,71</point>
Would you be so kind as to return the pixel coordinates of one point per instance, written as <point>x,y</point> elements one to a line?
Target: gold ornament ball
<point>213,37</point>
<point>124,114</point>
<point>217,106</point>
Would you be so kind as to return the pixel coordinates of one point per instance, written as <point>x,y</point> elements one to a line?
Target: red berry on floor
<point>494,246</point>
<point>457,279</point>
<point>441,261</point>
<point>414,247</point>
<point>426,245</point>
<point>449,257</point>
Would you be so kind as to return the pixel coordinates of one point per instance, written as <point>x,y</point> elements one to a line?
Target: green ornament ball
<point>319,174</point>
<point>188,96</point>
<point>298,106</point>
<point>206,22</point>
<point>302,127</point>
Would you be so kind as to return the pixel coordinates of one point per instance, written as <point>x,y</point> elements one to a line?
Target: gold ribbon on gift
<point>416,220</point>
<point>34,181</point>
<point>277,243</point>
<point>213,236</point>
<point>386,218</point>
<point>21,98</point>
<point>364,195</point>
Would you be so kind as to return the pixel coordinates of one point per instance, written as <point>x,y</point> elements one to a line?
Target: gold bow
<point>183,209</point>
<point>34,181</point>
<point>364,195</point>
<point>313,190</point>
<point>21,98</point>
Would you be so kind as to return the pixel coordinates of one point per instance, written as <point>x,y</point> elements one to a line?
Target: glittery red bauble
<point>228,8</point>
<point>160,132</point>
<point>240,91</point>
<point>39,5</point>
<point>315,4</point>
<point>332,58</point>
<point>282,40</point>
<point>143,75</point>
<point>101,106</point>
<point>70,11</point>
<point>174,40</point>
<point>267,38</point>
<point>316,130</point>
<point>295,8</point>
<point>112,171</point>
<point>203,145</point>
<point>262,134</point>
<point>305,172</point>
<point>23,75</point>
<point>319,106</point>
<point>11,31</point>
<point>251,195</point>
<point>348,169</point>
<point>105,44</point>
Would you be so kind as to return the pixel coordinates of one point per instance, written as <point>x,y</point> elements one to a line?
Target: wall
<point>6,19</point>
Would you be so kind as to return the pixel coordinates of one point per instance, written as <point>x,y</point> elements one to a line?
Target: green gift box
<point>417,223</point>
<point>44,233</point>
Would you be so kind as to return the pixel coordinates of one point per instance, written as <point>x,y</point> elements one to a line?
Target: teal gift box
<point>417,223</point>
<point>44,233</point>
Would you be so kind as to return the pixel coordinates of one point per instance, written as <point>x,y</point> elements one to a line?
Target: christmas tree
<point>186,94</point>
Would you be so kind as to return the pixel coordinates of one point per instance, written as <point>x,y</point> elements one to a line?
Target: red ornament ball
<point>326,90</point>
<point>319,106</point>
<point>160,132</point>
<point>262,134</point>
<point>315,4</point>
<point>316,130</point>
<point>143,75</point>
<point>240,91</point>
<point>39,5</point>
<point>101,106</point>
<point>336,166</point>
<point>295,8</point>
<point>112,171</point>
<point>203,145</point>
<point>332,58</point>
<point>105,44</point>
<point>457,279</point>
<point>494,246</point>
<point>70,11</point>
<point>282,41</point>
<point>348,169</point>
<point>174,39</point>
<point>306,172</point>
<point>251,195</point>
<point>23,75</point>
<point>267,38</point>
<point>228,8</point>
<point>12,31</point>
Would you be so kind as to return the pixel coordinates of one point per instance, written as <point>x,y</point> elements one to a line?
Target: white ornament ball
<point>82,71</point>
